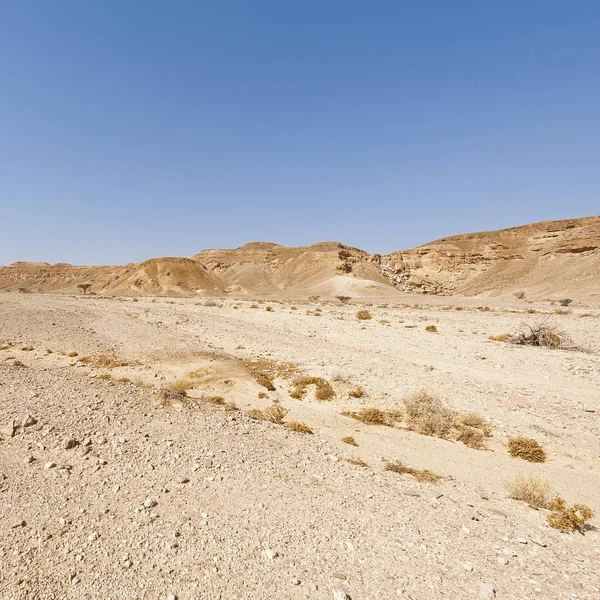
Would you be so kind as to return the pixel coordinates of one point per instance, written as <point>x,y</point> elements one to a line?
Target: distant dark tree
<point>84,287</point>
<point>344,299</point>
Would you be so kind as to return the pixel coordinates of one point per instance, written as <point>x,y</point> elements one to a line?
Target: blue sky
<point>138,129</point>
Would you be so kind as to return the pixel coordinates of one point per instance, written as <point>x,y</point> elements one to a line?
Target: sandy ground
<point>238,508</point>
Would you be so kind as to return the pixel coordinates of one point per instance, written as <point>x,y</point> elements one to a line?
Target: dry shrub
<point>323,392</point>
<point>427,415</point>
<point>358,392</point>
<point>527,449</point>
<point>293,308</point>
<point>273,414</point>
<point>265,380</point>
<point>373,416</point>
<point>72,354</point>
<point>530,489</point>
<point>545,336</point>
<point>299,427</point>
<point>181,386</point>
<point>269,308</point>
<point>363,315</point>
<point>27,348</point>
<point>431,328</point>
<point>18,363</point>
<point>254,306</point>
<point>503,337</point>
<point>568,520</point>
<point>105,376</point>
<point>263,395</point>
<point>219,400</point>
<point>105,360</point>
<point>471,437</point>
<point>423,476</point>
<point>169,394</point>
<point>356,460</point>
<point>349,440</point>
<point>473,419</point>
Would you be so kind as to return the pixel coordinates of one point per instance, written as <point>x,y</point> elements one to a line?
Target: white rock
<point>339,594</point>
<point>149,503</point>
<point>269,554</point>
<point>49,465</point>
<point>486,590</point>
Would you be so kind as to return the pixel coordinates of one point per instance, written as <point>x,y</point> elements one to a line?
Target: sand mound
<point>170,276</point>
<point>325,268</point>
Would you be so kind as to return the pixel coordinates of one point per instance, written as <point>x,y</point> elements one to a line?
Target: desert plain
<point>239,445</point>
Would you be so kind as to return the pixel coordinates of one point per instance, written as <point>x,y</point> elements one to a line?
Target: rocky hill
<point>552,258</point>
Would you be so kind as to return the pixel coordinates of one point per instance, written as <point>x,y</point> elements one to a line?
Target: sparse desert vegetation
<point>349,440</point>
<point>323,389</point>
<point>529,489</point>
<point>207,409</point>
<point>526,448</point>
<point>423,476</point>
<point>568,519</point>
<point>299,427</point>
<point>364,315</point>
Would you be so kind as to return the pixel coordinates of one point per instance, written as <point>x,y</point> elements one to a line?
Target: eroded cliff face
<point>552,257</point>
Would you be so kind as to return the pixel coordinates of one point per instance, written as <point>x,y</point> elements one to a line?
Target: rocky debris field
<point>107,490</point>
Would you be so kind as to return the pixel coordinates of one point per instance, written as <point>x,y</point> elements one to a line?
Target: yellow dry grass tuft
<point>105,360</point>
<point>349,440</point>
<point>426,414</point>
<point>323,392</point>
<point>358,392</point>
<point>376,416</point>
<point>356,460</point>
<point>363,315</point>
<point>530,489</point>
<point>423,476</point>
<point>299,427</point>
<point>503,337</point>
<point>431,329</point>
<point>273,414</point>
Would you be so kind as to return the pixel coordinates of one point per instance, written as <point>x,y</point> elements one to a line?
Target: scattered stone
<point>8,430</point>
<point>412,493</point>
<point>50,465</point>
<point>93,536</point>
<point>28,421</point>
<point>68,443</point>
<point>486,590</point>
<point>539,542</point>
<point>310,587</point>
<point>149,503</point>
<point>509,551</point>
<point>65,520</point>
<point>18,524</point>
<point>339,594</point>
<point>269,554</point>
<point>522,540</point>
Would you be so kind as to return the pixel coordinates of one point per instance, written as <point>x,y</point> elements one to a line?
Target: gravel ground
<point>107,491</point>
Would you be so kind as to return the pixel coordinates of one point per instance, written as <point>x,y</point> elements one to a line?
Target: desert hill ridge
<point>550,258</point>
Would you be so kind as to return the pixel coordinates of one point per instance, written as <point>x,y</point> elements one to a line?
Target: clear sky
<point>137,129</point>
